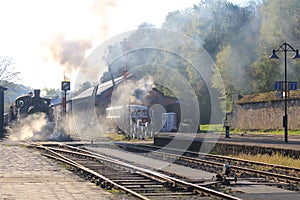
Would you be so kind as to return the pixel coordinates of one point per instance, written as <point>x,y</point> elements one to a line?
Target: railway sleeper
<point>125,178</point>
<point>139,184</point>
<point>121,174</point>
<point>146,186</point>
<point>178,187</point>
<point>95,167</point>
<point>149,190</point>
<point>131,180</point>
<point>170,194</point>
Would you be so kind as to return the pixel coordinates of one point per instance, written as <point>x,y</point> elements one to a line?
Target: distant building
<point>264,111</point>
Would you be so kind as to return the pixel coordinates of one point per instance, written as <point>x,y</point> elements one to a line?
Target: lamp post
<point>285,47</point>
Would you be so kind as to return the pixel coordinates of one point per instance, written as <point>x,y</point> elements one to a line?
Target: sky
<point>33,32</point>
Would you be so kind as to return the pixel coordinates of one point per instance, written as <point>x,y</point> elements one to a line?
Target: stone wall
<point>264,115</point>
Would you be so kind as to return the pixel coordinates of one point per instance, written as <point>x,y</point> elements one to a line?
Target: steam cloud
<point>36,127</point>
<point>144,86</point>
<point>32,127</point>
<point>102,8</point>
<point>69,53</point>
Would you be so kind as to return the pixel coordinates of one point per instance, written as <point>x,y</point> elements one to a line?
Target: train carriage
<point>94,107</point>
<point>131,119</point>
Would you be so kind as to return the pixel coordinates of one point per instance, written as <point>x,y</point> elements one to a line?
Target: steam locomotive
<point>29,104</point>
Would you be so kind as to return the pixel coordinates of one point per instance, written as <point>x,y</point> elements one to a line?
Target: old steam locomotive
<point>29,104</point>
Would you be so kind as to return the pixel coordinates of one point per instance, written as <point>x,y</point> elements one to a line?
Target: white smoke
<point>102,9</point>
<point>70,53</point>
<point>31,127</point>
<point>143,87</point>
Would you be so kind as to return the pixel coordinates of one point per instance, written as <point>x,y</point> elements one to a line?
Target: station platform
<point>266,140</point>
<point>26,174</point>
<point>243,143</point>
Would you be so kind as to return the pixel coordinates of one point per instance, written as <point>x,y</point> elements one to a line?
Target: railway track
<point>111,173</point>
<point>192,159</point>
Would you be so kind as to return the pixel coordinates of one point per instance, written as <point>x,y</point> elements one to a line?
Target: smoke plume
<point>102,9</point>
<point>143,87</point>
<point>69,53</point>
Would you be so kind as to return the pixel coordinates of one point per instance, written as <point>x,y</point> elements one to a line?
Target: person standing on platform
<point>227,127</point>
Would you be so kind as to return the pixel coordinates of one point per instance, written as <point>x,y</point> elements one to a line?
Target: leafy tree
<point>51,92</point>
<point>280,23</point>
<point>82,87</point>
<point>265,75</point>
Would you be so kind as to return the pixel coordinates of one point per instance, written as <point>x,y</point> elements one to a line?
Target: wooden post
<point>2,89</point>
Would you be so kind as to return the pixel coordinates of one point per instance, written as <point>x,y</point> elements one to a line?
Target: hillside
<point>12,93</point>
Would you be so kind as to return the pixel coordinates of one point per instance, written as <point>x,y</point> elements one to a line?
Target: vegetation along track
<point>214,163</point>
<point>113,174</point>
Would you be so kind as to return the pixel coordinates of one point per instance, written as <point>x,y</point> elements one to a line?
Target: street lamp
<point>285,47</point>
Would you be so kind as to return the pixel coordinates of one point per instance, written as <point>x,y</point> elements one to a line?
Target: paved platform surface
<point>264,140</point>
<point>25,174</point>
<point>263,192</point>
<point>276,141</point>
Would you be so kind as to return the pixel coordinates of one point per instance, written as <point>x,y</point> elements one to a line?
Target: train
<point>94,107</point>
<point>29,104</point>
<point>137,119</point>
<point>30,117</point>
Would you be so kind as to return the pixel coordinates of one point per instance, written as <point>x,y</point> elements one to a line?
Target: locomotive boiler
<point>29,104</point>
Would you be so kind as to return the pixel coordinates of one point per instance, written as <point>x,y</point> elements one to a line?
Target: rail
<point>174,182</point>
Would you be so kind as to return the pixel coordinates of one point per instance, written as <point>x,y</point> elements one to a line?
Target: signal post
<point>65,86</point>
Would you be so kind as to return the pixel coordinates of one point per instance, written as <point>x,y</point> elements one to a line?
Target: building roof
<point>102,87</point>
<point>265,97</point>
<point>106,85</point>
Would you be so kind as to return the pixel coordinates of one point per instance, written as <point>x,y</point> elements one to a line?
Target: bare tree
<point>8,75</point>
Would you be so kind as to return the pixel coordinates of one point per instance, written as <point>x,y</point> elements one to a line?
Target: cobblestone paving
<point>25,174</point>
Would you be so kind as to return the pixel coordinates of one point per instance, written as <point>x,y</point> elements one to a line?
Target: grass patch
<point>211,127</point>
<point>122,137</point>
<point>277,159</point>
<point>116,136</point>
<point>271,132</point>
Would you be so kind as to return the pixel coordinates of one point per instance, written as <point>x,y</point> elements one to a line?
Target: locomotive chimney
<point>36,97</point>
<point>37,93</point>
